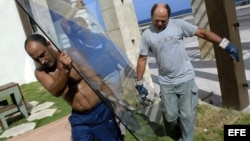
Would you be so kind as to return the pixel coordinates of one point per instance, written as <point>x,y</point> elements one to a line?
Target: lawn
<point>209,125</point>
<point>35,92</point>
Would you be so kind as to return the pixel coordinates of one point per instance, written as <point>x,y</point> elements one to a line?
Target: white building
<point>17,66</point>
<point>15,26</point>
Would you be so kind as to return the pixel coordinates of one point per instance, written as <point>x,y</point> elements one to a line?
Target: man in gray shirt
<point>176,74</point>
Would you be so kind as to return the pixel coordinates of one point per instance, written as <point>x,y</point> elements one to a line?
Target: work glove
<point>142,93</point>
<point>231,49</point>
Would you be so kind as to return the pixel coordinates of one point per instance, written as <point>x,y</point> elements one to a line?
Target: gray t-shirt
<point>169,50</point>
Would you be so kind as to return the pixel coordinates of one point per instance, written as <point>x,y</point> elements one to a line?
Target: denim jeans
<point>179,103</point>
<point>99,123</point>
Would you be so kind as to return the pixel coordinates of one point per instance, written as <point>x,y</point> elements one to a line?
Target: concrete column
<point>201,20</point>
<point>223,21</point>
<point>122,27</point>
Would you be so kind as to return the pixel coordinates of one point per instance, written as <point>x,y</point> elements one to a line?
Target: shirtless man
<point>102,53</point>
<point>90,116</point>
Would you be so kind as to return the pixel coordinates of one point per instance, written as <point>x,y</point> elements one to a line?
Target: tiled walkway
<point>55,131</point>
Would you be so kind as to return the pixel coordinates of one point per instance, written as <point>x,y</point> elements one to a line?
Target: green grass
<point>209,124</point>
<point>35,92</point>
<point>211,121</point>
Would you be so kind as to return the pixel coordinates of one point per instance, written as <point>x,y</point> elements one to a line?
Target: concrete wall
<point>16,66</point>
<point>122,27</point>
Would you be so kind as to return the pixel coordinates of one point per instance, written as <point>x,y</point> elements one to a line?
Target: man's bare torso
<point>79,95</point>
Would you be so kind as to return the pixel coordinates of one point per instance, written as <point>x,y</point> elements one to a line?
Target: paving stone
<point>17,130</point>
<point>42,106</point>
<point>41,114</point>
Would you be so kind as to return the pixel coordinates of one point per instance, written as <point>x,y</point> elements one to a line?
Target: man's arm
<point>223,42</point>
<point>141,65</point>
<point>208,35</point>
<point>142,91</point>
<point>56,86</point>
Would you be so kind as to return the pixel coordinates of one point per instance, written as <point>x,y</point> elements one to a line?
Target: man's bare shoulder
<point>43,71</point>
<point>40,70</point>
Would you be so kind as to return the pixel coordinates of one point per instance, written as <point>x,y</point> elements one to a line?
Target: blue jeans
<point>99,123</point>
<point>179,103</point>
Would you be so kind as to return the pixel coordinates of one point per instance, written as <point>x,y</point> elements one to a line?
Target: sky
<point>142,7</point>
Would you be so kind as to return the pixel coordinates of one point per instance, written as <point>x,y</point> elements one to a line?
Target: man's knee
<point>171,117</point>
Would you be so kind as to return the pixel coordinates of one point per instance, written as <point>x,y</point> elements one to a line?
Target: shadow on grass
<point>153,131</point>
